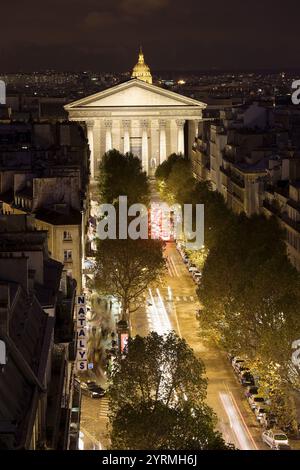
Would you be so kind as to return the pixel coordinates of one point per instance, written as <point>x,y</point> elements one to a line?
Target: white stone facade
<point>136,117</point>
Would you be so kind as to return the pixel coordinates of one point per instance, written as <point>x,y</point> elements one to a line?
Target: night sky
<point>175,34</point>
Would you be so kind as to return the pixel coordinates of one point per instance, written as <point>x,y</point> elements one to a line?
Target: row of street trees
<point>249,291</point>
<point>157,390</point>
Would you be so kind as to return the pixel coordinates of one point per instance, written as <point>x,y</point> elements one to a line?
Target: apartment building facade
<point>37,392</point>
<point>250,155</point>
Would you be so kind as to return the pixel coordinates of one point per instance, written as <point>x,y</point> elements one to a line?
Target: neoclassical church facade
<point>139,117</point>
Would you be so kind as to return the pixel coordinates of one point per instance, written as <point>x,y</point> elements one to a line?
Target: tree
<point>125,269</point>
<point>122,175</point>
<point>164,169</point>
<point>175,180</point>
<point>274,386</point>
<point>176,184</point>
<point>157,397</point>
<point>217,216</point>
<point>249,290</point>
<point>161,427</point>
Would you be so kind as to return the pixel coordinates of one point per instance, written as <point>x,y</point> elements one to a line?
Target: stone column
<point>126,128</point>
<point>145,153</point>
<point>108,135</point>
<point>162,141</point>
<point>196,121</point>
<point>90,136</point>
<point>180,136</point>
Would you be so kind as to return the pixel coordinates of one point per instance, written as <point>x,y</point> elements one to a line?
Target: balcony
<point>273,209</point>
<point>234,178</point>
<point>291,223</point>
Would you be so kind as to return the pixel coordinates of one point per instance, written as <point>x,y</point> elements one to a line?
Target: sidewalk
<point>94,412</point>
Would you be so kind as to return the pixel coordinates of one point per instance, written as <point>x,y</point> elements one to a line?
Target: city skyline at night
<point>149,231</point>
<point>175,35</point>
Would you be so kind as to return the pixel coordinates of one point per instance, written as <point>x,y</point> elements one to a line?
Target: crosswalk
<point>176,298</point>
<point>103,407</point>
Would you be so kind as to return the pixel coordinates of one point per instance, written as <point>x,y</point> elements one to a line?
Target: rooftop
<point>70,217</point>
<point>27,349</point>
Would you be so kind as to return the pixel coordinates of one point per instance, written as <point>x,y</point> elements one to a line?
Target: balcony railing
<point>234,178</point>
<point>275,210</point>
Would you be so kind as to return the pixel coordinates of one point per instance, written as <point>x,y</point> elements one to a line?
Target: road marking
<point>242,418</point>
<point>234,420</point>
<point>177,323</point>
<point>160,320</point>
<point>91,438</point>
<point>174,267</point>
<point>169,266</point>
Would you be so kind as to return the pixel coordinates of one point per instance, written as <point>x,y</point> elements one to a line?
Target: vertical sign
<point>81,333</point>
<point>2,353</point>
<point>2,92</point>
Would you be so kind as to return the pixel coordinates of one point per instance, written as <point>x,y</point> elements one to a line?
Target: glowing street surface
<point>157,314</point>
<point>245,440</point>
<point>172,306</point>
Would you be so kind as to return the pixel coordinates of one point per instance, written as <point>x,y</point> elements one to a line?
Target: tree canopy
<point>125,269</point>
<point>175,180</point>
<point>176,184</point>
<point>157,398</point>
<point>122,175</point>
<point>254,308</point>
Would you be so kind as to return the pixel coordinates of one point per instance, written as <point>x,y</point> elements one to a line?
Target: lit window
<point>67,255</point>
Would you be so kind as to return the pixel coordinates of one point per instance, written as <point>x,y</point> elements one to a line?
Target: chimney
<point>4,308</point>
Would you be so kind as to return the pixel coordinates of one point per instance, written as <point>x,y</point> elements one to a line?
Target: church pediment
<point>134,93</point>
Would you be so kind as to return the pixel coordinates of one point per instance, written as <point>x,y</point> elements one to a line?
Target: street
<point>172,306</point>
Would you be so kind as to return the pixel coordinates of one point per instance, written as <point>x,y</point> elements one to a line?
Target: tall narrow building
<point>141,69</point>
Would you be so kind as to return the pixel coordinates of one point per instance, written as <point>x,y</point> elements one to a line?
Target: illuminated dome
<point>141,70</point>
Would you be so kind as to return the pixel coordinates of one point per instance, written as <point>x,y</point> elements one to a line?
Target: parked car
<point>88,383</point>
<point>246,378</point>
<point>192,268</point>
<point>238,365</point>
<point>241,368</point>
<point>256,401</point>
<point>274,437</point>
<point>282,447</point>
<point>197,275</point>
<point>230,357</point>
<point>251,390</point>
<point>185,258</point>
<point>92,390</point>
<point>259,413</point>
<point>268,420</point>
<point>236,360</point>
